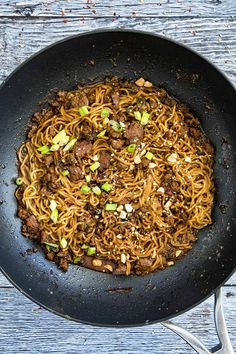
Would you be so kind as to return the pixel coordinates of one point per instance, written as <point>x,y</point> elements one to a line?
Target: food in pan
<point>115,176</point>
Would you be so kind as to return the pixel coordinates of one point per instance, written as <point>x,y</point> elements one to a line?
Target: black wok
<point>103,299</point>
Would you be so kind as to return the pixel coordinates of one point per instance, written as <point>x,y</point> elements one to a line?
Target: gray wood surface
<point>208,26</point>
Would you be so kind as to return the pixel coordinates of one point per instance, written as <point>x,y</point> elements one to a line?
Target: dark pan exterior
<point>103,299</point>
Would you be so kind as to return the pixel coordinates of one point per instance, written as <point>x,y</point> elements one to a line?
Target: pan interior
<point>83,294</point>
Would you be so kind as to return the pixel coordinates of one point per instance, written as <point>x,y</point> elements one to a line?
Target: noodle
<point>158,170</point>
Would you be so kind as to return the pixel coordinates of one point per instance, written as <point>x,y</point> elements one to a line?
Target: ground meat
<point>78,99</point>
<point>196,133</point>
<point>83,149</point>
<point>117,144</point>
<point>37,117</point>
<point>48,159</point>
<point>115,98</point>
<point>170,220</point>
<point>52,131</point>
<point>104,160</point>
<point>88,134</point>
<point>22,213</point>
<point>120,269</point>
<point>32,224</point>
<point>145,162</point>
<point>175,186</point>
<point>121,166</point>
<point>44,237</point>
<point>50,256</point>
<point>32,130</point>
<point>134,132</point>
<point>63,264</point>
<point>145,262</point>
<point>70,159</point>
<point>45,191</point>
<point>208,148</point>
<point>105,266</point>
<point>75,173</point>
<point>62,254</point>
<point>50,179</point>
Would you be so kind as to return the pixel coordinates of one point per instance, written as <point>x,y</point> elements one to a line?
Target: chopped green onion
<point>106,121</point>
<point>110,206</point>
<point>91,251</point>
<point>107,187</point>
<point>55,147</point>
<point>59,136</point>
<point>70,145</point>
<point>105,113</point>
<point>19,181</point>
<point>85,189</point>
<point>137,115</point>
<point>83,111</point>
<point>149,155</point>
<point>65,173</point>
<point>51,244</point>
<point>54,216</point>
<point>88,178</point>
<point>64,140</point>
<point>63,243</point>
<point>84,246</point>
<point>116,126</point>
<point>44,149</point>
<point>76,260</point>
<point>102,133</point>
<point>96,190</point>
<point>145,118</point>
<point>95,166</point>
<point>131,147</point>
<point>53,204</point>
<point>48,248</point>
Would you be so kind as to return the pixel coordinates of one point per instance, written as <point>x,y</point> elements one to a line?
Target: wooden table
<point>27,26</point>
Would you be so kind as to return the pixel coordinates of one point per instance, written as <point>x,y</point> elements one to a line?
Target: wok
<point>103,299</point>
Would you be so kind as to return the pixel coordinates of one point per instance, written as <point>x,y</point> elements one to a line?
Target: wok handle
<point>225,346</point>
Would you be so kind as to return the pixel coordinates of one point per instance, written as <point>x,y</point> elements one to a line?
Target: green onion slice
<point>85,189</point>
<point>55,147</point>
<point>105,113</point>
<point>137,115</point>
<point>70,145</point>
<point>53,204</point>
<point>111,206</point>
<point>65,173</point>
<point>96,190</point>
<point>54,216</point>
<point>76,260</point>
<point>88,178</point>
<point>131,148</point>
<point>145,118</point>
<point>84,246</point>
<point>116,126</point>
<point>19,181</point>
<point>95,166</point>
<point>102,133</point>
<point>91,251</point>
<point>44,149</point>
<point>63,243</point>
<point>83,111</point>
<point>59,136</point>
<point>107,187</point>
<point>51,244</point>
<point>149,155</point>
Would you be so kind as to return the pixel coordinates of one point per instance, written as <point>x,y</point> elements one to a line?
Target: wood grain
<point>124,8</point>
<point>26,26</point>
<point>35,330</point>
<point>214,37</point>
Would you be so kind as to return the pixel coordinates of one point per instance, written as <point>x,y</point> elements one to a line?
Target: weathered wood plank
<point>25,327</point>
<point>107,8</point>
<point>214,37</point>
